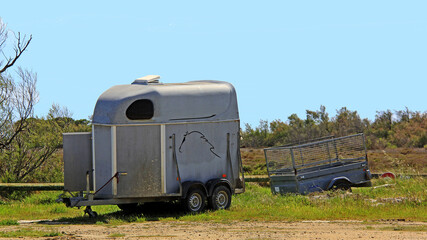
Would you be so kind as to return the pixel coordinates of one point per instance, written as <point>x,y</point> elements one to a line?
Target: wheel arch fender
<point>211,184</point>
<point>338,179</point>
<point>186,186</point>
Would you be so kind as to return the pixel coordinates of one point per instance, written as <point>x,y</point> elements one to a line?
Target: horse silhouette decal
<point>203,137</point>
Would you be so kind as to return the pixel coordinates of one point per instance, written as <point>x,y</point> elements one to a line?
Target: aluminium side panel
<point>103,163</point>
<point>201,152</point>
<point>77,149</point>
<point>284,183</point>
<point>138,155</point>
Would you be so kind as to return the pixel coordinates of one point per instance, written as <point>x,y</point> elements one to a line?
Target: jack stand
<point>91,213</point>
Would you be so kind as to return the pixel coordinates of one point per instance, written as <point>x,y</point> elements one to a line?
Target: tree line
<point>389,129</point>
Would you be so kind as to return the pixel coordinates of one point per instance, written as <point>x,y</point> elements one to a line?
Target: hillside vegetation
<point>398,129</point>
<point>396,141</point>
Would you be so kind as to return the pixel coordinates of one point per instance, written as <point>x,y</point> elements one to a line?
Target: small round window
<point>140,110</point>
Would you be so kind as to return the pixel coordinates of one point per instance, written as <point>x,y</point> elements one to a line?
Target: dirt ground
<point>235,230</point>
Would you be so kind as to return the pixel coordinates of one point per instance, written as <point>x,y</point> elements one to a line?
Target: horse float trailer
<point>157,142</point>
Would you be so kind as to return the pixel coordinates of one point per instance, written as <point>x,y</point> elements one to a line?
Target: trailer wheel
<point>128,207</point>
<point>341,185</point>
<point>90,212</point>
<point>195,201</point>
<point>221,198</point>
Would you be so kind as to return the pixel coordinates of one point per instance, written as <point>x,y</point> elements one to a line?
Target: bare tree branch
<point>17,98</point>
<point>19,108</point>
<point>20,47</point>
<point>3,34</point>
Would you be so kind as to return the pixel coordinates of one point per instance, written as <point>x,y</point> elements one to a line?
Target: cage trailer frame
<point>156,142</point>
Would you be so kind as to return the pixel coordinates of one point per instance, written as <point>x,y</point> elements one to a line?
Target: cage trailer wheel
<point>221,198</point>
<point>195,201</point>
<point>341,185</point>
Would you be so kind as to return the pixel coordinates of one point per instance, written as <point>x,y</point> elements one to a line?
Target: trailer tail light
<point>224,175</point>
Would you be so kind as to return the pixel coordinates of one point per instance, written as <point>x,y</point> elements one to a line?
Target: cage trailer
<point>319,165</point>
<point>157,142</point>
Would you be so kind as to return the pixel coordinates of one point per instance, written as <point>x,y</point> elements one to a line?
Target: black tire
<point>221,198</point>
<point>93,215</point>
<point>195,201</point>
<point>341,186</point>
<point>128,207</point>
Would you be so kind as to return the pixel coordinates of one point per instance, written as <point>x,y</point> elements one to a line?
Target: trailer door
<point>138,155</point>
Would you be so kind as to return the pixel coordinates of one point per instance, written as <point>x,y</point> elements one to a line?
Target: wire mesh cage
<point>330,151</point>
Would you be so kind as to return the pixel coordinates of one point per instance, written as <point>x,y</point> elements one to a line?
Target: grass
<point>259,204</point>
<point>28,232</point>
<point>116,235</point>
<point>253,161</point>
<point>405,228</point>
<point>8,222</point>
<point>42,205</point>
<point>409,228</point>
<point>403,161</point>
<point>404,199</point>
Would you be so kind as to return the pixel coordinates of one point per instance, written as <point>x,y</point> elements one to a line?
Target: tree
<point>317,123</point>
<point>17,97</point>
<point>256,137</point>
<point>279,132</point>
<point>296,129</point>
<point>37,145</point>
<point>30,149</point>
<point>347,122</point>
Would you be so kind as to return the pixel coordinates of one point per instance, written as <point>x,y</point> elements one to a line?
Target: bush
<point>389,130</point>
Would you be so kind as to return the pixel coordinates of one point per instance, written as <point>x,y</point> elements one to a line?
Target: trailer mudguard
<point>368,174</point>
<point>211,184</point>
<point>336,180</point>
<point>364,184</point>
<point>192,184</point>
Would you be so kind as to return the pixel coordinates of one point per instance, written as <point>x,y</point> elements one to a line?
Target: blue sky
<point>283,57</point>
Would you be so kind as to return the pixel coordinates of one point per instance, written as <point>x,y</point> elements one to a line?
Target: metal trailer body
<point>319,165</point>
<point>154,142</point>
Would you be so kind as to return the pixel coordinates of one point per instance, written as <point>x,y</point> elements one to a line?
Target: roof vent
<point>149,79</point>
